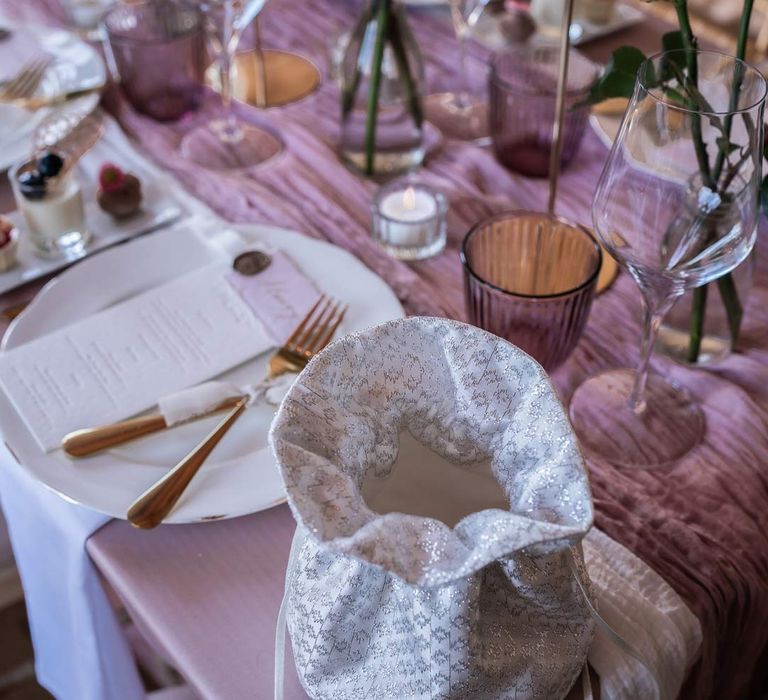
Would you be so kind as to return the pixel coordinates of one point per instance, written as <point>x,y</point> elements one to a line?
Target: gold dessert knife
<point>89,441</point>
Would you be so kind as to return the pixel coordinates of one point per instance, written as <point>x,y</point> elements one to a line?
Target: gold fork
<point>23,85</point>
<point>309,338</point>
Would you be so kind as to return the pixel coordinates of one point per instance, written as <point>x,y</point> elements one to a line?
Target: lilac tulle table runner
<point>702,525</point>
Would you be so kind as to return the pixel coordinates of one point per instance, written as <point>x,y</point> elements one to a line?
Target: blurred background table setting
<point>194,191</point>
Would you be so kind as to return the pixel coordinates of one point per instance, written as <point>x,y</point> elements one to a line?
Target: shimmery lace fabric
<point>401,606</point>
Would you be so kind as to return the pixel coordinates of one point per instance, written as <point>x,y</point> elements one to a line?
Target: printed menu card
<point>118,362</point>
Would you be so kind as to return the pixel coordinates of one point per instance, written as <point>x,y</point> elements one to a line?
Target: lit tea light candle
<point>409,220</point>
<point>414,208</point>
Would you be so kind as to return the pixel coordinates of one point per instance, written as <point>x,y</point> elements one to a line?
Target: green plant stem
<point>690,45</point>
<point>733,308</point>
<point>373,91</point>
<point>697,323</point>
<point>725,285</point>
<point>698,309</point>
<point>404,70</point>
<point>349,91</point>
<point>741,52</point>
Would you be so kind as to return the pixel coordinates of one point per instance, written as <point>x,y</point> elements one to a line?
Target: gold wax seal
<point>252,262</point>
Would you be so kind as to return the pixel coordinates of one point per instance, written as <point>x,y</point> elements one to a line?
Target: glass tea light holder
<point>409,220</point>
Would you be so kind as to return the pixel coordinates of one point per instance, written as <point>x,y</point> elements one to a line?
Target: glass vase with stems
<point>700,329</point>
<point>381,75</point>
<point>704,324</point>
<point>677,205</point>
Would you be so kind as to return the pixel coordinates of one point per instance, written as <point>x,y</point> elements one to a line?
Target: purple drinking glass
<point>530,278</point>
<point>522,88</point>
<point>157,50</point>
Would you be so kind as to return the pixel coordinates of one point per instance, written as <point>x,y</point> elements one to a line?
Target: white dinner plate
<point>76,66</point>
<point>606,126</point>
<point>641,151</point>
<point>624,16</point>
<point>240,477</point>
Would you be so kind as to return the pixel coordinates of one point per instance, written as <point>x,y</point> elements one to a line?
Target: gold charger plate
<point>609,270</point>
<point>286,78</point>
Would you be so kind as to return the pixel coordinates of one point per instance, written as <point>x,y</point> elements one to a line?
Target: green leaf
<point>672,41</point>
<point>618,78</point>
<point>674,96</point>
<point>626,60</point>
<point>725,145</point>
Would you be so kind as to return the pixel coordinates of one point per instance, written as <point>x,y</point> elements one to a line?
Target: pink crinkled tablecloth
<point>702,525</point>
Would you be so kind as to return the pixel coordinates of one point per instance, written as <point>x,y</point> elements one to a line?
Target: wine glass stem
<point>229,42</point>
<point>225,76</point>
<point>228,128</point>
<point>461,29</point>
<point>653,315</point>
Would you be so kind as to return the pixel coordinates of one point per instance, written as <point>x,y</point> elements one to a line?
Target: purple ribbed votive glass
<point>530,278</point>
<point>158,51</point>
<point>522,88</point>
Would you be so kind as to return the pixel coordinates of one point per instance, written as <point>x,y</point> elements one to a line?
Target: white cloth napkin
<point>187,404</point>
<point>80,650</point>
<point>644,610</point>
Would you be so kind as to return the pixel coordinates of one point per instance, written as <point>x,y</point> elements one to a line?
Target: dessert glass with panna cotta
<point>49,197</point>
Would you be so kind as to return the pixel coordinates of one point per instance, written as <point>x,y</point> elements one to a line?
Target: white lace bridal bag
<point>456,581</point>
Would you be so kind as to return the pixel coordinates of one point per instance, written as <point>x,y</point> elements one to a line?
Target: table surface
<point>207,595</point>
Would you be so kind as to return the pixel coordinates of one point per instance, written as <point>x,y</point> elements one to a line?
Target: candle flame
<point>409,198</point>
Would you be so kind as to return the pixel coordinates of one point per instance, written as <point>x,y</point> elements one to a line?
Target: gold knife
<point>83,443</point>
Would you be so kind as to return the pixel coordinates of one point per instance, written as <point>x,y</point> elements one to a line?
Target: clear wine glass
<point>461,115</point>
<point>677,206</point>
<point>227,141</point>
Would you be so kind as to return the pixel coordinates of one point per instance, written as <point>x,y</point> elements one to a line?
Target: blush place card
<point>290,295</point>
<point>118,362</point>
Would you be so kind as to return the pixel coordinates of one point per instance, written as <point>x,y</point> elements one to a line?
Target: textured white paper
<point>117,363</point>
